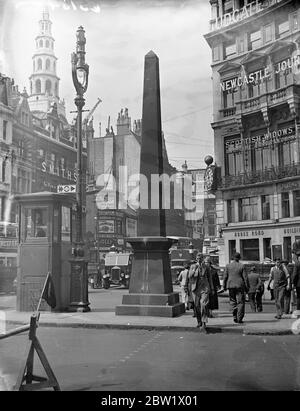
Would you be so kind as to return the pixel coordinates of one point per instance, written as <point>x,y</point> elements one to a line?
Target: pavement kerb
<point>210,329</point>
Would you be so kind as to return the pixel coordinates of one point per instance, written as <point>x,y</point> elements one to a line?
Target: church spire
<point>44,82</point>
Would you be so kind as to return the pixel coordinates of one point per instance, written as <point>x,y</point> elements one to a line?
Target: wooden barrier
<point>27,381</point>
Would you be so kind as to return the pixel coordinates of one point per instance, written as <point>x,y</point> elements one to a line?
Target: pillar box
<point>45,234</point>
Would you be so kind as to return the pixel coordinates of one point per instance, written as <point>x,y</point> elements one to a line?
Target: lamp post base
<point>79,286</point>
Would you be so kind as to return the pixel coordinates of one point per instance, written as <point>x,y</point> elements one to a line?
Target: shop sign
<point>57,171</point>
<point>281,135</point>
<point>8,243</point>
<point>243,13</point>
<point>248,192</point>
<point>253,233</point>
<point>260,75</point>
<point>292,230</point>
<point>106,226</point>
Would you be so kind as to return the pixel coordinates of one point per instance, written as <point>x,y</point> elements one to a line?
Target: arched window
<point>48,64</point>
<point>38,86</point>
<point>56,89</point>
<point>41,43</point>
<point>47,44</point>
<point>39,64</point>
<point>48,86</point>
<point>54,65</point>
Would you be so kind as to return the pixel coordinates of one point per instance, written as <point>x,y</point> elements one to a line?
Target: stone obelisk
<point>151,291</point>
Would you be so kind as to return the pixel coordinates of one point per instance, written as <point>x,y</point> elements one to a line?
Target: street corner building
<point>256,89</point>
<point>38,145</point>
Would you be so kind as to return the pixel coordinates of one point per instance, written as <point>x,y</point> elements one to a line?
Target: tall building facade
<point>256,93</point>
<point>110,218</point>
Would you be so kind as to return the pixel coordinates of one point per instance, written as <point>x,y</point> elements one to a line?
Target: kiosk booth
<point>44,245</point>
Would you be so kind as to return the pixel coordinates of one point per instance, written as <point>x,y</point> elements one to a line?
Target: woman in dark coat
<point>213,298</point>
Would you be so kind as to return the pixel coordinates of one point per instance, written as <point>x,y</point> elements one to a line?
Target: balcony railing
<point>267,175</point>
<point>272,98</point>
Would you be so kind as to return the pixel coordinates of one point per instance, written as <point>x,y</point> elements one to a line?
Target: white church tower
<point>44,83</point>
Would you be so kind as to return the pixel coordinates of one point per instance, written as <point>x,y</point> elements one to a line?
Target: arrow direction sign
<point>71,188</point>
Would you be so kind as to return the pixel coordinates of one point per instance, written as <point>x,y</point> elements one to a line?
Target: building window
<point>48,86</point>
<point>227,6</point>
<point>265,207</point>
<point>268,33</point>
<point>211,225</point>
<point>230,211</point>
<point>39,64</point>
<point>283,74</point>
<point>229,49</point>
<point>283,28</point>
<point>233,156</point>
<point>267,248</point>
<point>216,53</point>
<point>254,89</point>
<point>255,40</point>
<point>21,149</point>
<point>47,44</point>
<point>241,45</point>
<point>250,249</point>
<point>38,86</point>
<point>48,64</point>
<point>41,43</point>
<point>248,209</point>
<point>230,95</point>
<point>295,23</point>
<point>296,197</point>
<point>285,205</point>
<point>4,135</point>
<point>4,161</point>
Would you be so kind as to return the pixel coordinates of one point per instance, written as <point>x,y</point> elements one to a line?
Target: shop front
<point>262,243</point>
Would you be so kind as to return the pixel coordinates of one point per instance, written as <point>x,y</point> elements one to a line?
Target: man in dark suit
<point>200,282</point>
<point>296,279</point>
<point>237,283</point>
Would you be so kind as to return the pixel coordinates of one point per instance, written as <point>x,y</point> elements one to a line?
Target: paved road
<point>133,360</point>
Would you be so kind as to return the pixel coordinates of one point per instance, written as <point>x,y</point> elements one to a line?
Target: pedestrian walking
<point>296,279</point>
<point>256,290</point>
<point>237,283</point>
<point>201,285</point>
<point>182,280</point>
<point>287,307</point>
<point>213,297</point>
<point>280,275</point>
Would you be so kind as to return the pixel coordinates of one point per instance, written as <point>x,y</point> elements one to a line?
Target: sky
<point>119,34</point>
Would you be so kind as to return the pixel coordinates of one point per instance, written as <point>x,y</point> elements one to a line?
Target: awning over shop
<point>116,259</point>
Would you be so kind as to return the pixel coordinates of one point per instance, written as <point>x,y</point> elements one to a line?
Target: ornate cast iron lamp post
<point>79,276</point>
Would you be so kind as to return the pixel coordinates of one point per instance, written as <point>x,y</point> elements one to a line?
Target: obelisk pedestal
<point>151,291</point>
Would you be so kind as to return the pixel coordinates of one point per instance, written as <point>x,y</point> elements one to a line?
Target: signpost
<point>71,188</point>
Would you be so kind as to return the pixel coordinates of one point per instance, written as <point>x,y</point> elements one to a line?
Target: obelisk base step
<point>154,305</point>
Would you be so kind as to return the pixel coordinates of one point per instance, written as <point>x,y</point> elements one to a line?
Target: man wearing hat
<point>255,292</point>
<point>200,282</point>
<point>236,280</point>
<point>281,278</point>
